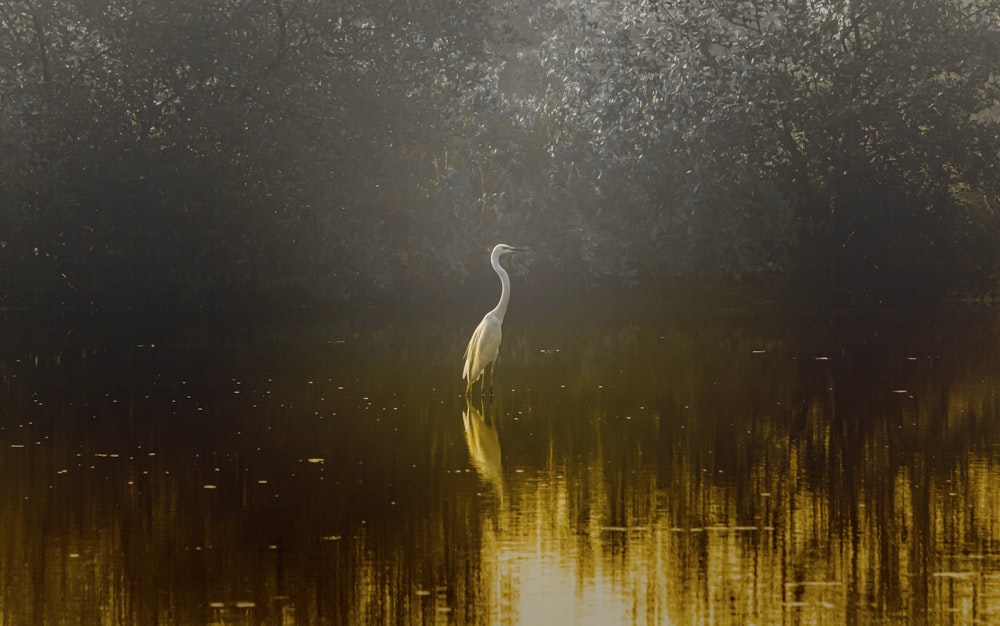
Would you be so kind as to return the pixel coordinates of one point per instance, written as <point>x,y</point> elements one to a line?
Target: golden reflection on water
<point>677,470</point>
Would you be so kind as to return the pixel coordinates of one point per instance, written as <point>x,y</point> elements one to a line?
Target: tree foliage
<point>205,150</point>
<point>846,140</point>
<point>865,119</point>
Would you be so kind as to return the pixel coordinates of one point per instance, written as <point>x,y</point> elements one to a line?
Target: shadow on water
<point>682,467</point>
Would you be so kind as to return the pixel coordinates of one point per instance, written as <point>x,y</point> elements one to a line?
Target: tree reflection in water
<point>678,469</point>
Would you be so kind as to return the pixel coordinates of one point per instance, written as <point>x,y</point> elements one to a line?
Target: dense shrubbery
<point>196,151</point>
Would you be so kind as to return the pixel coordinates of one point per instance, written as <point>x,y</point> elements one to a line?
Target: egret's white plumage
<point>484,346</point>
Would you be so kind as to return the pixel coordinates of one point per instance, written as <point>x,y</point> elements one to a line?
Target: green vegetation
<point>214,151</point>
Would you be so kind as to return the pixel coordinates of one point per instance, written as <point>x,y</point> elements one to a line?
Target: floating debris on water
<point>736,529</point>
<point>954,574</point>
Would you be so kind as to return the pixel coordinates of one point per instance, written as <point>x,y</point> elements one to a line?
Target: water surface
<point>634,467</point>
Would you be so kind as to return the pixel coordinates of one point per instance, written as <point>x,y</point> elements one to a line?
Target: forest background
<point>212,152</point>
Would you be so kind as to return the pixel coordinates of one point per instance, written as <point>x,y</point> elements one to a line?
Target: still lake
<point>636,466</point>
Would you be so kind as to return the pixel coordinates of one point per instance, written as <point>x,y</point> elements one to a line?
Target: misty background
<point>210,152</point>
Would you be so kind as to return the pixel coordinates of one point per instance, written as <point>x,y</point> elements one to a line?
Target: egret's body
<point>484,347</point>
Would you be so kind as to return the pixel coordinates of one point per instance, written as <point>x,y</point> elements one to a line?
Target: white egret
<point>485,343</point>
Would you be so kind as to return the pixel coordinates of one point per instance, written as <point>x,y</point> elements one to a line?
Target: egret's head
<point>502,249</point>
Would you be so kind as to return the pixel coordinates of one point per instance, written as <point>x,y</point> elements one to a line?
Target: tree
<point>736,138</point>
<point>191,150</point>
<point>199,151</point>
<point>865,118</point>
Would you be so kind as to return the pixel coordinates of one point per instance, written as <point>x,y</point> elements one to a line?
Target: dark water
<point>634,468</point>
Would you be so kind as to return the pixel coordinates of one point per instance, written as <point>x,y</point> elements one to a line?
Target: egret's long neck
<point>501,308</point>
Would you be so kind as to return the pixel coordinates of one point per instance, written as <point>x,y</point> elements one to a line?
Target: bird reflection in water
<point>484,446</point>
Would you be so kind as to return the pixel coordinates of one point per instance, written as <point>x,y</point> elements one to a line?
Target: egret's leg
<point>493,367</point>
<point>487,415</point>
